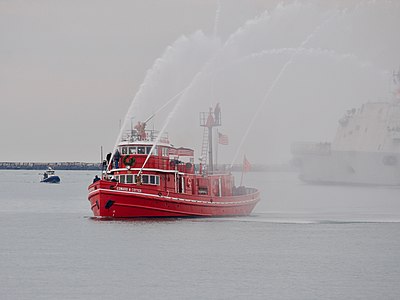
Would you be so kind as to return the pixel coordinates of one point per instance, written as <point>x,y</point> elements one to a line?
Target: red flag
<point>246,165</point>
<point>223,139</point>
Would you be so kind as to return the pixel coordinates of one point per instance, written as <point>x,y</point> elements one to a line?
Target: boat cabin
<point>168,170</point>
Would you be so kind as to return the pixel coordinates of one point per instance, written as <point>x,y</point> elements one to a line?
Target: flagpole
<point>241,178</point>
<point>216,150</point>
<point>245,168</point>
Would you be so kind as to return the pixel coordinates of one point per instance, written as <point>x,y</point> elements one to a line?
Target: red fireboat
<point>148,177</point>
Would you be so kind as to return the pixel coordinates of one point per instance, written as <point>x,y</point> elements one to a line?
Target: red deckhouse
<point>165,182</point>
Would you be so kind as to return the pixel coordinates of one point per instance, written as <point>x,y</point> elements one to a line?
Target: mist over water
<point>281,75</point>
<point>339,58</point>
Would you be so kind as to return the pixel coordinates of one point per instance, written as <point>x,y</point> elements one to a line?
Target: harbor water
<point>302,241</point>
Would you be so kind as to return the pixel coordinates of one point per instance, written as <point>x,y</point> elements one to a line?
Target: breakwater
<point>54,165</point>
<point>97,166</point>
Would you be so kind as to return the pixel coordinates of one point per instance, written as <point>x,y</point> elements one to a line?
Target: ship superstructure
<point>365,150</point>
<point>149,177</point>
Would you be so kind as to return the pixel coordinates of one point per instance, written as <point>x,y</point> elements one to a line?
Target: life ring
<point>129,160</point>
<point>189,183</point>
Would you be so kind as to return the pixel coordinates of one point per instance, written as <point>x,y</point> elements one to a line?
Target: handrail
<point>149,136</point>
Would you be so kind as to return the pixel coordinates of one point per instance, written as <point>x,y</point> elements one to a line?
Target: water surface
<point>302,242</point>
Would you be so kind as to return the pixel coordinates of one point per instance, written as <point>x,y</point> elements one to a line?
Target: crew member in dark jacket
<point>96,178</point>
<point>117,156</point>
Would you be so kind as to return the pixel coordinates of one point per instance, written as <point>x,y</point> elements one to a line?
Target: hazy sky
<point>69,70</point>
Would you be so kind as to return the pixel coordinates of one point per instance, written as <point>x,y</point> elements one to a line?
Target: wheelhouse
<point>159,167</point>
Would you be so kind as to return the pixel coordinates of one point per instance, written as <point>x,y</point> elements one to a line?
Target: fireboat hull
<point>108,200</point>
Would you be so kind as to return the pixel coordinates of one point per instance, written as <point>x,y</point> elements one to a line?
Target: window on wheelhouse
<point>164,151</point>
<point>129,179</point>
<point>146,179</point>
<point>151,179</point>
<point>155,152</point>
<point>132,150</point>
<point>139,150</point>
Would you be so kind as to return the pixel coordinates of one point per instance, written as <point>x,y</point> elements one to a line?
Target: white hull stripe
<point>171,198</point>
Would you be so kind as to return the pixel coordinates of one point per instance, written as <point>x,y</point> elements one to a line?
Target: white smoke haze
<point>294,67</point>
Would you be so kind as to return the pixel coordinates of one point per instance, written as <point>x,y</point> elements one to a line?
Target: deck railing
<point>147,135</point>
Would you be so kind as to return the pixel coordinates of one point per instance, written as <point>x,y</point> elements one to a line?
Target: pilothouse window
<point>151,179</point>
<point>146,179</point>
<point>164,151</point>
<point>141,150</point>
<point>155,151</point>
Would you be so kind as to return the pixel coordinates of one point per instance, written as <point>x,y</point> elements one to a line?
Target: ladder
<point>204,148</point>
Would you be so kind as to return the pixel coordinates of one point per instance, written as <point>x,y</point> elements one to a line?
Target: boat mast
<point>396,84</point>
<point>209,120</point>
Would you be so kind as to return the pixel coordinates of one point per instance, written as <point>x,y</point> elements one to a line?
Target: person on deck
<point>117,156</point>
<point>108,157</point>
<point>96,178</point>
<point>210,120</point>
<point>141,130</point>
<point>217,114</point>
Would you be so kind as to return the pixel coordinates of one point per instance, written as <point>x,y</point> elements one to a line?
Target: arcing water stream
<point>197,62</point>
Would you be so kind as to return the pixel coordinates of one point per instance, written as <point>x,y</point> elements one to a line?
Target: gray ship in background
<point>366,149</point>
